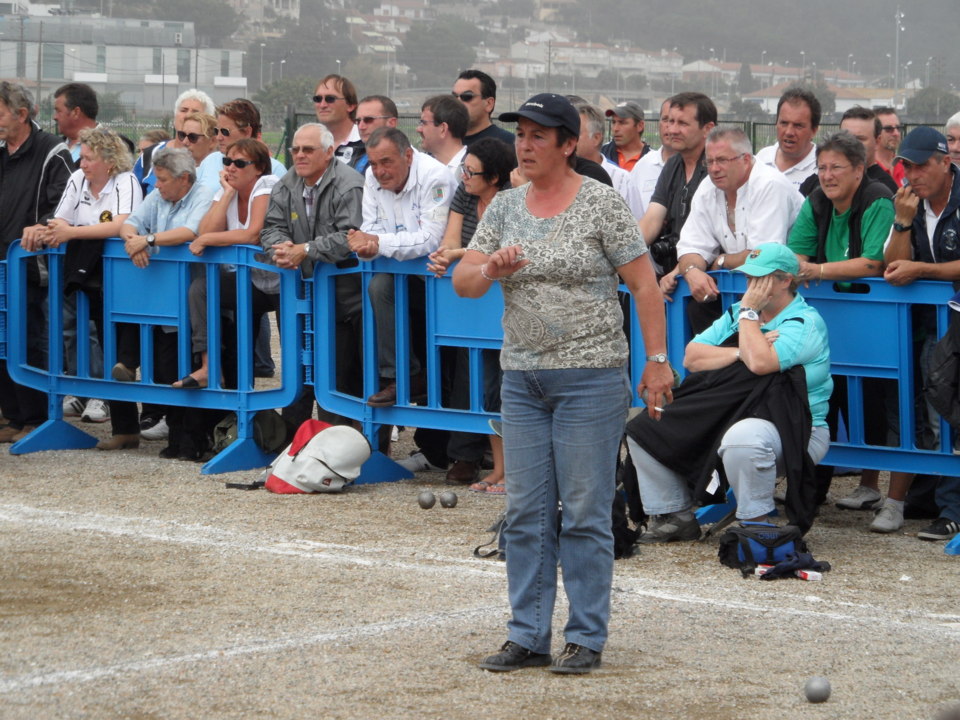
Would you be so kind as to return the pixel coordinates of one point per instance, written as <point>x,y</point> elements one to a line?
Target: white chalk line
<point>205,536</point>
<point>84,675</point>
<point>212,537</point>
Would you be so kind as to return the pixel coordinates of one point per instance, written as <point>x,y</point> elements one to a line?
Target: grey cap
<point>627,109</point>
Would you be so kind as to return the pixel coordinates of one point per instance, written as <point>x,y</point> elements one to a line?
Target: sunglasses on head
<point>241,164</point>
<point>465,96</point>
<point>192,137</point>
<point>328,99</point>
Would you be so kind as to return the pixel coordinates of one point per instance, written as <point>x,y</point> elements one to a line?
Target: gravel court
<point>134,587</point>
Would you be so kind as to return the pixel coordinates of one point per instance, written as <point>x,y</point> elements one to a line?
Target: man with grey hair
<point>168,217</point>
<point>627,146</point>
<point>310,212</point>
<point>406,199</point>
<point>588,146</point>
<point>34,169</point>
<point>741,204</point>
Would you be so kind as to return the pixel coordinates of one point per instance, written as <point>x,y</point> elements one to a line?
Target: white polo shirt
<point>120,196</point>
<point>796,174</point>
<point>410,223</point>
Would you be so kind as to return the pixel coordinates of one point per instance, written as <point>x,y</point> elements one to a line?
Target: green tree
<point>745,82</point>
<point>436,52</point>
<point>932,105</point>
<point>296,91</point>
<point>368,75</point>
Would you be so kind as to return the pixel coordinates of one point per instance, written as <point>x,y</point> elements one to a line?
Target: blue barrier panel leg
<point>714,513</point>
<point>953,547</point>
<point>379,468</point>
<point>54,435</point>
<point>242,454</point>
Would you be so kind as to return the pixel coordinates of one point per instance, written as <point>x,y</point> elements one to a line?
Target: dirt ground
<point>134,587</point>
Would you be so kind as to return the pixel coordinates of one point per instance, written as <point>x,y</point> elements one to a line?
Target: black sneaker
<point>514,657</point>
<point>940,529</point>
<point>575,660</point>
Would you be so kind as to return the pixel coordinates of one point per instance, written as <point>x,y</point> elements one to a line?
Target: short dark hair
<point>706,110</point>
<point>488,86</point>
<point>388,105</point>
<point>844,143</point>
<point>244,113</point>
<point>448,109</point>
<point>256,151</point>
<point>498,158</point>
<point>798,94</point>
<point>858,112</point>
<point>346,87</point>
<point>886,110</point>
<point>394,135</point>
<point>80,95</point>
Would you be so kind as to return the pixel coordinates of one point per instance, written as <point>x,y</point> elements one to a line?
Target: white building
<point>148,62</point>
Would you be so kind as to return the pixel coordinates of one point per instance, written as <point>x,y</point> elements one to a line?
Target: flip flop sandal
<point>496,489</point>
<point>481,486</point>
<point>189,382</point>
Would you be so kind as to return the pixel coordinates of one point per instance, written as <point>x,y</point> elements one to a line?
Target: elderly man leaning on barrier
<point>756,397</point>
<point>925,243</point>
<point>169,216</point>
<point>34,169</point>
<point>406,199</point>
<point>310,212</point>
<point>740,205</point>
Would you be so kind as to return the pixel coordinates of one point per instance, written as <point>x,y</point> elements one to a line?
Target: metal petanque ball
<point>817,689</point>
<point>426,499</point>
<point>448,499</point>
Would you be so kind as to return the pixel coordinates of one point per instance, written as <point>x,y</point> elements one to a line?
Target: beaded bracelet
<point>483,273</point>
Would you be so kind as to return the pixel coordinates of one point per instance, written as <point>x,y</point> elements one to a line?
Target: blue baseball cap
<point>549,110</point>
<point>766,258</point>
<point>920,143</point>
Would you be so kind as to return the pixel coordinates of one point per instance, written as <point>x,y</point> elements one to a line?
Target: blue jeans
<point>561,435</point>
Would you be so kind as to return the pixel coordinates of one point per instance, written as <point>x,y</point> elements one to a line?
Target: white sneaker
<point>72,406</point>
<point>888,519</point>
<point>863,498</point>
<point>395,434</point>
<point>160,431</point>
<point>97,411</point>
<point>417,462</point>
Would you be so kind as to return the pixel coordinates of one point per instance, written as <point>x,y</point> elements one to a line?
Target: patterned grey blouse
<point>561,310</point>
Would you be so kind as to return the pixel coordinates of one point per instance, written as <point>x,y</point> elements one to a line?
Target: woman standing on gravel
<point>557,246</point>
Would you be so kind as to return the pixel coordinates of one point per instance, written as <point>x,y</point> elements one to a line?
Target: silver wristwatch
<point>151,239</point>
<point>658,358</point>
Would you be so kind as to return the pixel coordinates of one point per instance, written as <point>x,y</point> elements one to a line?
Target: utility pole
<point>39,63</point>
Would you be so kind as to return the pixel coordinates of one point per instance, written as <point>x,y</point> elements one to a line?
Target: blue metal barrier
<point>150,297</point>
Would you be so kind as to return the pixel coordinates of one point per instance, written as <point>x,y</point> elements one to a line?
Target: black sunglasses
<point>465,96</point>
<point>241,164</point>
<point>222,131</point>
<point>328,99</point>
<point>192,137</point>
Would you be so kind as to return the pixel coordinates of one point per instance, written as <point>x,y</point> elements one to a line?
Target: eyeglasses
<point>192,137</point>
<point>368,119</point>
<point>721,162</point>
<point>421,122</point>
<point>465,96</point>
<point>892,128</point>
<point>328,99</point>
<point>834,169</point>
<point>468,173</point>
<point>305,149</point>
<point>241,164</point>
<point>222,131</point>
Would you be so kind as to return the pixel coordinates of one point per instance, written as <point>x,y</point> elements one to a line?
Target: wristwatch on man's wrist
<point>657,358</point>
<point>151,239</point>
<point>900,227</point>
<point>748,313</point>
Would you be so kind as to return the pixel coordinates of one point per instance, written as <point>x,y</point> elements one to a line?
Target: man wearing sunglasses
<point>891,132</point>
<point>478,91</point>
<point>374,111</point>
<point>335,101</point>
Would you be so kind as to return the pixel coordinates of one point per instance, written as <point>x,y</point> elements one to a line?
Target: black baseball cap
<point>920,143</point>
<point>549,110</point>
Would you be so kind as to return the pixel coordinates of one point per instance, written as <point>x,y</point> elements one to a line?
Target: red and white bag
<point>321,458</point>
